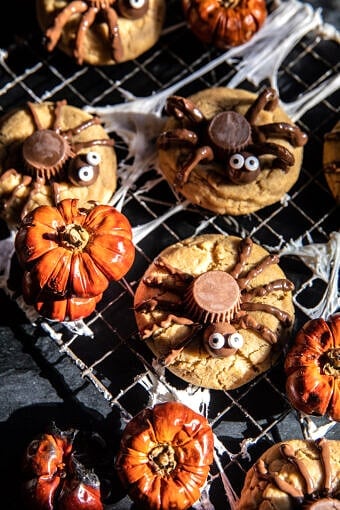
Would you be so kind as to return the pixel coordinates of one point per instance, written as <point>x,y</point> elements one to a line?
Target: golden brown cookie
<point>101,32</point>
<point>51,151</point>
<point>331,160</point>
<point>229,150</point>
<point>294,474</point>
<point>215,309</point>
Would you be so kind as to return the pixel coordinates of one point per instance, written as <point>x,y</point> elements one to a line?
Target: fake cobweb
<point>137,122</point>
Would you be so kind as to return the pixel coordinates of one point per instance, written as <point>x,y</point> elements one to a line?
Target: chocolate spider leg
<point>285,487</point>
<point>115,39</point>
<point>258,269</point>
<point>175,280</point>
<point>289,132</point>
<point>284,158</point>
<point>34,115</point>
<point>150,305</point>
<point>245,321</point>
<point>180,107</point>
<point>81,127</point>
<point>177,137</point>
<point>262,290</point>
<point>53,33</point>
<point>267,100</point>
<point>284,317</point>
<point>86,21</point>
<point>173,354</point>
<point>57,114</point>
<point>323,447</point>
<point>184,172</point>
<point>244,251</point>
<point>288,452</point>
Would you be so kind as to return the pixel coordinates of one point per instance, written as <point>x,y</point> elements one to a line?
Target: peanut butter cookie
<point>102,32</point>
<point>215,310</point>
<point>229,150</point>
<point>51,151</point>
<point>294,474</point>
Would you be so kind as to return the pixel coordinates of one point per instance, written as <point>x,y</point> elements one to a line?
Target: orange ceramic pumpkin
<point>74,252</point>
<point>312,366</point>
<point>54,308</point>
<point>165,456</point>
<point>224,24</point>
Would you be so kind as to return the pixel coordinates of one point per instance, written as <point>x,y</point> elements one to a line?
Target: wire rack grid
<point>106,347</point>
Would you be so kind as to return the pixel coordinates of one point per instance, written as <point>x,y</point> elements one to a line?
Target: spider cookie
<point>331,160</point>
<point>101,32</point>
<point>215,310</point>
<point>49,152</point>
<point>230,151</point>
<point>294,474</point>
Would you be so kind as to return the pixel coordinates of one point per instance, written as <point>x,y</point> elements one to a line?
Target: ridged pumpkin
<point>72,252</point>
<point>53,477</point>
<point>165,456</point>
<point>54,308</point>
<point>312,367</point>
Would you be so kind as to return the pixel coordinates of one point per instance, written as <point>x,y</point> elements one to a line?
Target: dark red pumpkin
<point>54,479</point>
<point>312,367</point>
<point>165,456</point>
<point>227,23</point>
<point>75,252</point>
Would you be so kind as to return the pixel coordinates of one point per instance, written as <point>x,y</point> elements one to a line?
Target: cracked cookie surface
<point>193,257</point>
<point>208,185</point>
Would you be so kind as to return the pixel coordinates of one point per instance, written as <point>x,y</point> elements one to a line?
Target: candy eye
<point>84,169</point>
<point>132,9</point>
<point>93,158</point>
<point>236,161</point>
<point>216,341</point>
<point>251,163</point>
<point>235,341</point>
<point>86,173</point>
<point>137,4</point>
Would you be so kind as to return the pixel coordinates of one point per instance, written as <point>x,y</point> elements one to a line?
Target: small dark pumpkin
<point>53,477</point>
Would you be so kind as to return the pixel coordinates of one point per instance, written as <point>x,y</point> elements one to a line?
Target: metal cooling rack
<point>248,420</point>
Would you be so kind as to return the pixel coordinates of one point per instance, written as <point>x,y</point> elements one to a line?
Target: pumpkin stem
<point>332,363</point>
<point>162,459</point>
<point>73,237</point>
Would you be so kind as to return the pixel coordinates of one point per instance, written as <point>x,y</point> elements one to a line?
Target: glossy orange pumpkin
<point>164,456</point>
<point>224,23</point>
<point>72,252</point>
<point>312,367</point>
<point>54,479</point>
<point>54,308</point>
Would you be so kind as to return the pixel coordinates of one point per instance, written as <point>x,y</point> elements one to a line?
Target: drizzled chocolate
<point>310,498</point>
<point>215,303</point>
<point>227,135</point>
